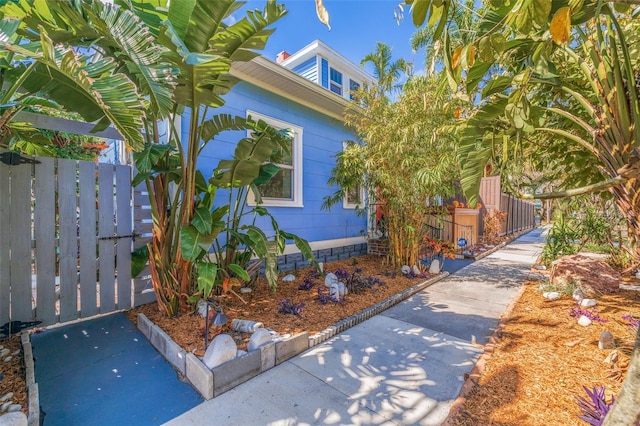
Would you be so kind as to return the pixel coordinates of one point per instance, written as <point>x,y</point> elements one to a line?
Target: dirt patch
<point>544,358</point>
<point>593,276</point>
<point>261,305</point>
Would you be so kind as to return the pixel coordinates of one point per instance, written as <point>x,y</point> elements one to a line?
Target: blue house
<point>307,92</point>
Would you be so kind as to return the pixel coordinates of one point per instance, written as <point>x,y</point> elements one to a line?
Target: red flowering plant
<point>436,249</point>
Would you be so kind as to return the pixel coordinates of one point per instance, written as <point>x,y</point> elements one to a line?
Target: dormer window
<point>353,87</point>
<point>335,83</point>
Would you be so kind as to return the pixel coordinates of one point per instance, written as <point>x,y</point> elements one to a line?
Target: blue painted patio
<point>105,372</point>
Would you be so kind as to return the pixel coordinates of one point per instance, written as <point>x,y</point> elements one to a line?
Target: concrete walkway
<point>404,366</point>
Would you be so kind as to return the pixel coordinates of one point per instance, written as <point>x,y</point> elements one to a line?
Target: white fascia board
<point>339,62</point>
<point>336,103</point>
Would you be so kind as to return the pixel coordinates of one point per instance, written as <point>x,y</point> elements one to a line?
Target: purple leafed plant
<point>577,312</point>
<point>412,274</point>
<point>631,321</point>
<point>341,274</point>
<point>307,284</point>
<point>595,407</point>
<point>324,298</point>
<point>287,306</point>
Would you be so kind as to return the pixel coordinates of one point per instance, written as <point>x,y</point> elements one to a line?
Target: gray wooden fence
<point>143,227</point>
<point>65,245</point>
<point>520,213</point>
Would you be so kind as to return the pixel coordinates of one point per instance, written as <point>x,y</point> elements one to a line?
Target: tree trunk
<point>626,409</point>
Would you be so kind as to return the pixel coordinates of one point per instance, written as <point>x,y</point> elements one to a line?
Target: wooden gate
<point>65,242</point>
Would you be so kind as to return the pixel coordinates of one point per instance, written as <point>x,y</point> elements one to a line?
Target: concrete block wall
<point>290,262</point>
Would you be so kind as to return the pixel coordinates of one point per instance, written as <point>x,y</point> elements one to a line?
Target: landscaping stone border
<point>214,382</point>
<point>33,418</point>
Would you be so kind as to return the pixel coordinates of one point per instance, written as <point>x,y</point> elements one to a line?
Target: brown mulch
<point>543,359</point>
<point>13,373</point>
<point>262,304</point>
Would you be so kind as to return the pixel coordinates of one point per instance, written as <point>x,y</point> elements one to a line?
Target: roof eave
<point>270,76</point>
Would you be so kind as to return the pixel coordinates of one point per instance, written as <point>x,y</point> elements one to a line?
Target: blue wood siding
<point>308,69</point>
<point>322,140</point>
<point>325,73</point>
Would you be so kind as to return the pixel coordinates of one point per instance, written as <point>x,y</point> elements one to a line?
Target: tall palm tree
<point>387,72</point>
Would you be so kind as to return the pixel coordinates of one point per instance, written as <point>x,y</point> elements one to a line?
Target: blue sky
<point>356,27</point>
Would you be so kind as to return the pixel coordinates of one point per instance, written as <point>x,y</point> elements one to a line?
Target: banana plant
<point>193,236</point>
<point>41,74</point>
<point>553,73</point>
<point>177,57</point>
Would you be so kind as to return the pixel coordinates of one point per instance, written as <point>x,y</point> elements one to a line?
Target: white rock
<point>14,408</point>
<point>16,352</point>
<point>540,267</point>
<point>245,326</point>
<point>551,295</point>
<point>7,359</point>
<point>245,290</point>
<point>584,321</point>
<point>334,291</point>
<point>416,270</point>
<point>16,418</point>
<point>321,267</point>
<point>586,303</point>
<point>6,396</point>
<point>4,352</point>
<point>435,267</point>
<point>4,406</point>
<point>638,275</point>
<point>260,338</point>
<point>331,278</point>
<point>342,290</point>
<point>289,278</point>
<point>222,349</point>
<point>405,269</point>
<point>240,353</point>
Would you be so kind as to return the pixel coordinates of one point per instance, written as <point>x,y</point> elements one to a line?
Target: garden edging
<point>33,419</point>
<point>214,382</point>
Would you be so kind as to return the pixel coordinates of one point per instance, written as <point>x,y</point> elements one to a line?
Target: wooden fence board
<point>20,220</point>
<point>68,230</point>
<point>123,227</point>
<point>5,276</point>
<point>45,237</point>
<point>88,240</point>
<point>106,247</point>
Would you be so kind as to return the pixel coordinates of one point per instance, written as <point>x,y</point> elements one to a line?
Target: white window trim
<point>352,206</point>
<point>340,85</point>
<point>296,158</point>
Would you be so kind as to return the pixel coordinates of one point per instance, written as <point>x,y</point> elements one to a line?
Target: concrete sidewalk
<point>403,366</point>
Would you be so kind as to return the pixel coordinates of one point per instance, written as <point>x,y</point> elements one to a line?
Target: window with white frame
<point>285,188</point>
<point>354,198</point>
<point>353,87</point>
<point>335,81</point>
